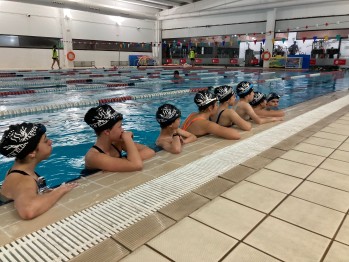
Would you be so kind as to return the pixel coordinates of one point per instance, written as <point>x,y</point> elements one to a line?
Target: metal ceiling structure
<point>170,9</point>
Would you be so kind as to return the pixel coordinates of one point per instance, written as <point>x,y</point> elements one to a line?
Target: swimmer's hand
<point>126,135</point>
<point>66,187</point>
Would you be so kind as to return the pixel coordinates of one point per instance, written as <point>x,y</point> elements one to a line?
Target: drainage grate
<point>73,235</point>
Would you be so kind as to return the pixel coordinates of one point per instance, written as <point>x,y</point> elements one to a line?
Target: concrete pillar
<point>67,40</point>
<point>157,49</point>
<point>270,27</point>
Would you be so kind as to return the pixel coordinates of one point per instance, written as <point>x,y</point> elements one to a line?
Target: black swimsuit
<point>87,171</point>
<point>40,182</point>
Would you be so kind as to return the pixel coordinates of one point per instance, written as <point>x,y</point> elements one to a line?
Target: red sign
<point>182,60</point>
<point>313,61</point>
<point>215,60</point>
<point>254,61</point>
<point>198,60</point>
<point>168,61</point>
<point>339,62</point>
<point>234,61</point>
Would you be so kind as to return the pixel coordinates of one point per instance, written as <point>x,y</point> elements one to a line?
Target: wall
<point>47,22</point>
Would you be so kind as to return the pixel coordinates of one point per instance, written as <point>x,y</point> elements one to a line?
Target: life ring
<point>71,56</point>
<point>266,55</point>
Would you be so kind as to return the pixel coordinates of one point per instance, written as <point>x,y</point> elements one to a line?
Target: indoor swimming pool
<point>72,137</point>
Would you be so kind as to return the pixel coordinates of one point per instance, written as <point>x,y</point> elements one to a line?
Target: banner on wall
<point>294,62</point>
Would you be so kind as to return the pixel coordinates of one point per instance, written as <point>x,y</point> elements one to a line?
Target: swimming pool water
<point>72,137</point>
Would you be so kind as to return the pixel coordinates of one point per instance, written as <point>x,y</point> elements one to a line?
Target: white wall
<point>47,22</point>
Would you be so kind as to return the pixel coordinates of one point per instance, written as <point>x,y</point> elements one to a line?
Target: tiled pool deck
<point>289,203</point>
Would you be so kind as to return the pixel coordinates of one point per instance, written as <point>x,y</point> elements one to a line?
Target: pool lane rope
<point>73,235</point>
<point>53,107</point>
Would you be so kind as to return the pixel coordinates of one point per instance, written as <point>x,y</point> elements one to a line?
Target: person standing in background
<point>192,55</point>
<point>55,57</point>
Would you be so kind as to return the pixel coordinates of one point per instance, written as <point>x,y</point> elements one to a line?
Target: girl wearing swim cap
<point>112,139</point>
<point>227,116</point>
<point>171,138</point>
<point>259,104</point>
<point>246,94</point>
<point>28,143</point>
<point>199,123</point>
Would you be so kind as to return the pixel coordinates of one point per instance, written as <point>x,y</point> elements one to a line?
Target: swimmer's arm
<point>133,162</point>
<point>236,119</point>
<point>171,144</point>
<point>270,113</point>
<point>187,136</point>
<point>144,151</point>
<point>29,204</point>
<point>260,120</point>
<point>221,131</point>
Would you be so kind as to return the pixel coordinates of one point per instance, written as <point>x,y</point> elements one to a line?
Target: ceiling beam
<point>74,5</point>
<point>147,4</point>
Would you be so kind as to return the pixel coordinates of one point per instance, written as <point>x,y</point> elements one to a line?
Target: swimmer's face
<point>264,104</point>
<point>250,97</point>
<point>116,131</point>
<point>44,148</point>
<point>176,123</point>
<point>273,103</point>
<point>232,100</point>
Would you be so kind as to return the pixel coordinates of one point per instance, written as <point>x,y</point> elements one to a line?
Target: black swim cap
<point>224,91</point>
<point>167,114</point>
<point>257,99</point>
<point>102,117</point>
<point>244,88</point>
<point>21,139</point>
<point>204,98</point>
<point>272,96</point>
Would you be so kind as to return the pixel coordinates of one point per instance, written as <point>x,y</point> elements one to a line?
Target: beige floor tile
<point>305,133</point>
<point>190,240</point>
<point>107,178</point>
<point>255,196</point>
<point>272,153</point>
<point>340,155</point>
<point>338,253</point>
<point>330,136</point>
<point>184,206</point>
<point>245,253</point>
<point>322,142</point>
<point>313,217</point>
<point>336,166</point>
<point>4,238</point>
<point>287,242</point>
<point>90,199</point>
<point>214,188</point>
<point>144,230</point>
<point>228,217</point>
<point>314,149</point>
<point>304,158</point>
<point>343,234</point>
<point>289,143</point>
<point>290,168</point>
<point>85,187</point>
<point>131,182</point>
<point>188,158</point>
<point>336,130</point>
<point>152,163</point>
<point>8,215</point>
<point>339,126</point>
<point>329,178</point>
<point>257,162</point>
<point>275,180</point>
<point>108,250</point>
<point>344,146</point>
<point>144,254</point>
<point>24,227</point>
<point>162,169</point>
<point>238,173</point>
<point>323,195</point>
